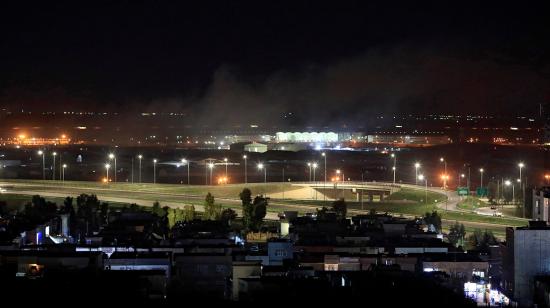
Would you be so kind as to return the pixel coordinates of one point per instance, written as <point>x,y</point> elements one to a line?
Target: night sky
<point>244,60</point>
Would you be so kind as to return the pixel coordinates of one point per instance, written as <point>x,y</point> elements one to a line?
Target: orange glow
<point>104,180</point>
<point>223,180</point>
<point>63,136</point>
<point>444,177</point>
<point>547,176</point>
<point>22,136</point>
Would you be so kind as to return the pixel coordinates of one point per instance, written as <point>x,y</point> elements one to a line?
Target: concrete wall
<point>531,258</point>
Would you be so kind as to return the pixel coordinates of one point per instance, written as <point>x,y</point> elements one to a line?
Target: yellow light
<point>22,136</point>
<point>104,180</point>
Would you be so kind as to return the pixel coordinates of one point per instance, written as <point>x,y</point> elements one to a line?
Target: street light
<point>260,167</point>
<point>508,183</point>
<point>343,179</point>
<point>314,166</point>
<point>245,175</point>
<point>325,170</point>
<point>225,160</point>
<point>185,161</point>
<point>63,173</point>
<point>107,166</point>
<point>309,174</point>
<point>520,165</point>
<point>394,168</point>
<point>444,180</point>
<point>547,177</point>
<point>522,186</point>
<point>113,157</point>
<point>211,166</point>
<point>421,177</point>
<point>40,152</point>
<point>140,157</point>
<point>154,171</point>
<point>53,170</point>
<point>416,166</point>
<point>461,176</point>
<point>481,175</point>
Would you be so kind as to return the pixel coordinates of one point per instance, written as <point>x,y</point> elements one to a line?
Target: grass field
<point>472,203</point>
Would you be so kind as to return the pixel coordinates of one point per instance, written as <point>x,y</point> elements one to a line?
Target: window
<point>220,268</point>
<point>280,253</point>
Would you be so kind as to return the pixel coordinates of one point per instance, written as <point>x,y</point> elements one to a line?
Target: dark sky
<point>241,60</point>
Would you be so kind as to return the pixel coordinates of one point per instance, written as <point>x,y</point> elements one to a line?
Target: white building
<point>255,147</point>
<point>541,198</point>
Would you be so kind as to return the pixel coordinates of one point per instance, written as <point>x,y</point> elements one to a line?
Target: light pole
<point>140,157</point>
<point>520,165</point>
<point>107,166</point>
<point>260,167</point>
<point>53,170</point>
<point>314,166</point>
<point>185,161</point>
<point>225,161</point>
<point>113,157</point>
<point>445,178</point>
<point>309,174</point>
<point>416,166</point>
<point>508,183</point>
<point>338,172</point>
<point>40,152</point>
<point>421,177</point>
<point>461,176</point>
<point>154,171</point>
<point>245,175</point>
<point>519,183</point>
<point>481,175</point>
<point>522,187</point>
<point>547,177</point>
<point>211,167</point>
<point>63,173</point>
<point>394,167</point>
<point>325,170</point>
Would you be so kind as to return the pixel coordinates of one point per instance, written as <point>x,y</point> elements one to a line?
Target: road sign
<point>481,191</point>
<point>462,191</point>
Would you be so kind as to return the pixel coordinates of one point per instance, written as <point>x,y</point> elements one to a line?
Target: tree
<point>68,206</point>
<point>212,211</point>
<point>172,217</point>
<point>259,212</point>
<point>482,240</point>
<point>104,212</point>
<point>462,233</point>
<point>3,208</point>
<point>228,215</point>
<point>433,220</point>
<point>340,208</point>
<point>188,212</point>
<point>456,234</point>
<point>322,214</point>
<point>157,209</point>
<point>248,209</point>
<point>164,211</point>
<point>180,215</point>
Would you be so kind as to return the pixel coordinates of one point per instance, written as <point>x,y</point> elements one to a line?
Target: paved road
<point>175,200</point>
